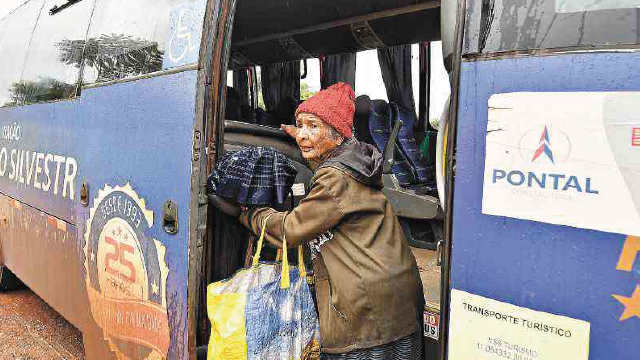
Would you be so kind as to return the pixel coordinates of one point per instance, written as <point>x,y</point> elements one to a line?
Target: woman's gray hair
<point>335,134</point>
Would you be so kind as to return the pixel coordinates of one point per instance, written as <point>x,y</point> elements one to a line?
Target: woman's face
<point>315,138</point>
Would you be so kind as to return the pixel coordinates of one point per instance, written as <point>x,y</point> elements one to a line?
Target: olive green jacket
<point>368,287</point>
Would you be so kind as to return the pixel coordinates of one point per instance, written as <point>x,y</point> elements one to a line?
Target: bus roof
<point>280,30</point>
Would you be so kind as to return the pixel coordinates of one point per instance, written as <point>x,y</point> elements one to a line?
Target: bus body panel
<point>555,269</point>
<point>43,251</point>
<point>113,271</point>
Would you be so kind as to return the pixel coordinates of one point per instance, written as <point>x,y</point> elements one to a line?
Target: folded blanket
<point>253,176</point>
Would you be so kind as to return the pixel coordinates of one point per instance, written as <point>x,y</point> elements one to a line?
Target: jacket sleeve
<point>318,212</point>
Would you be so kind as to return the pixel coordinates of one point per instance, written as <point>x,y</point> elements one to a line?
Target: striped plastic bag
<point>264,312</point>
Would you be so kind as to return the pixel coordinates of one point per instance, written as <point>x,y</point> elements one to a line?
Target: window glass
<point>13,49</point>
<point>369,76</point>
<point>569,6</point>
<point>440,88</point>
<point>54,57</point>
<point>505,25</point>
<point>3,25</point>
<point>128,37</point>
<point>310,85</point>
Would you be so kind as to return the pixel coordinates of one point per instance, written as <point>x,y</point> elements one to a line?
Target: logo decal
<point>539,175</point>
<point>126,275</point>
<point>628,256</point>
<point>539,144</point>
<point>544,146</point>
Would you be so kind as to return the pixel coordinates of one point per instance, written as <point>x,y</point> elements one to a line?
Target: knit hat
<point>335,105</point>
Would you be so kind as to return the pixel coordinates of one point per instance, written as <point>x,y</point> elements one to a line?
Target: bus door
<point>546,207</point>
<point>97,159</point>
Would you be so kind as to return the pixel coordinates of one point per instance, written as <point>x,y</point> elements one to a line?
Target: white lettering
<point>33,168</point>
<point>20,166</point>
<point>59,160</point>
<point>3,161</point>
<point>39,158</point>
<point>12,174</point>
<point>46,186</point>
<point>30,165</point>
<point>70,171</point>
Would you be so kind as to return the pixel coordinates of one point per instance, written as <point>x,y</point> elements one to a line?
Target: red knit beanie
<point>335,105</point>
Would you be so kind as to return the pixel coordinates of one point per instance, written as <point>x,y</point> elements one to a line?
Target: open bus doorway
<point>264,89</point>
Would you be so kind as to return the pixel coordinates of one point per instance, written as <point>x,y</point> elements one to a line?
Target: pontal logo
<point>545,146</point>
<point>545,169</point>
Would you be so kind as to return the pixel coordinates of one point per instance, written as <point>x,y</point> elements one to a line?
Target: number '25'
<point>117,255</point>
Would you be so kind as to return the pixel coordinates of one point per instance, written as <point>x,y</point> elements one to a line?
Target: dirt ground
<point>30,329</point>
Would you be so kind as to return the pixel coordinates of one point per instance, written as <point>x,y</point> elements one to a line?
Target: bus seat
<point>286,110</point>
<point>268,118</point>
<point>248,114</point>
<point>407,142</point>
<point>373,122</point>
<point>361,119</point>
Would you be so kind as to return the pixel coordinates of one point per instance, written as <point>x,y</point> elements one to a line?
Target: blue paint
<point>138,132</point>
<point>556,269</point>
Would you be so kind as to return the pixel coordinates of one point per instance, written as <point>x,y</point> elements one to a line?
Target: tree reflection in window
<point>47,89</point>
<point>113,56</point>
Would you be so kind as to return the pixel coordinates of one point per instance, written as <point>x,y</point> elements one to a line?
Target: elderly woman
<point>369,292</point>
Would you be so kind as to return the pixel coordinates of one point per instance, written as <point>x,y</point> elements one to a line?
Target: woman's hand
<point>291,130</point>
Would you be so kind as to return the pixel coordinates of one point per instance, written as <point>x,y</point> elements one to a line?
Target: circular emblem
<point>126,275</point>
<point>544,144</point>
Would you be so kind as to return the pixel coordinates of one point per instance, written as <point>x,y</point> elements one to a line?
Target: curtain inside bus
<point>395,63</point>
<point>501,25</point>
<point>279,82</point>
<point>338,68</point>
<point>241,84</point>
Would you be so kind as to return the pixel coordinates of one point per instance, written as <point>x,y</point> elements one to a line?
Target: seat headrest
<point>286,110</point>
<point>232,94</point>
<point>363,106</point>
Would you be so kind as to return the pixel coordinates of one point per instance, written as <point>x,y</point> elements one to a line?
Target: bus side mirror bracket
<point>84,194</point>
<point>170,217</point>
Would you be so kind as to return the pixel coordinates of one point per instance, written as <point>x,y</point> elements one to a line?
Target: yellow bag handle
<point>284,275</point>
<point>301,267</point>
<point>256,257</point>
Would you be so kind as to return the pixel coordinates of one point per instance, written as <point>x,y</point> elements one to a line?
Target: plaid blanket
<point>253,176</point>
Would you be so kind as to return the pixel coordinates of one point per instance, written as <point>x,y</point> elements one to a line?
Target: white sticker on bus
<point>484,328</point>
<point>564,158</point>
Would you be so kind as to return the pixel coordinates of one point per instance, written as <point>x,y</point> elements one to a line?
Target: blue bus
<point>521,207</point>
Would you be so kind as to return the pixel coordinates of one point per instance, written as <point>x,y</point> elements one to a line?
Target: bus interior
<point>273,45</point>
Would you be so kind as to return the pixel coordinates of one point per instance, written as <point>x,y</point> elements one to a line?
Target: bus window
<point>13,50</point>
<point>368,76</point>
<point>511,25</point>
<point>310,84</point>
<point>127,38</point>
<point>55,55</point>
<point>439,85</point>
